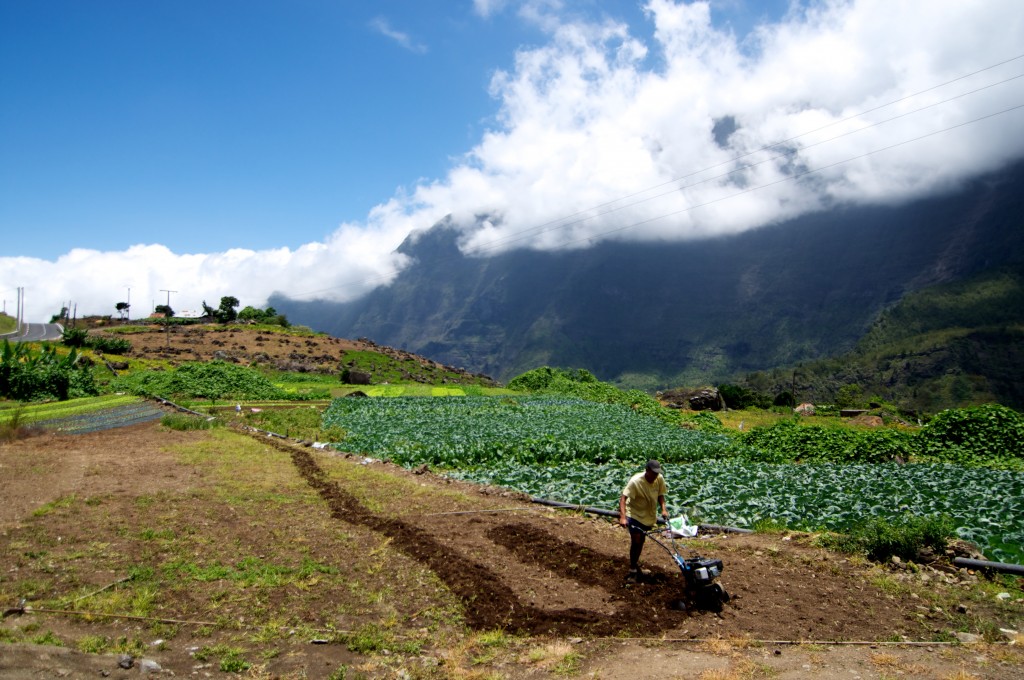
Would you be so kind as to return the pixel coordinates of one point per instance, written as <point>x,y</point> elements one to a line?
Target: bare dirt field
<point>201,553</point>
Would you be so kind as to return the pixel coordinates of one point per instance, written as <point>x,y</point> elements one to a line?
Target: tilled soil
<point>540,574</point>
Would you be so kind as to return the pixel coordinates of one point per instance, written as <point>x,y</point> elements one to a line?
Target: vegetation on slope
<point>947,346</point>
<point>213,380</point>
<point>30,374</point>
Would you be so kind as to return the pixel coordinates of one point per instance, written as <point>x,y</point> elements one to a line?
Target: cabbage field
<point>986,505</point>
<point>582,452</point>
<point>468,431</point>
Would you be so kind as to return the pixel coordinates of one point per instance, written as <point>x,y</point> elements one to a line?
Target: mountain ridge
<point>665,314</point>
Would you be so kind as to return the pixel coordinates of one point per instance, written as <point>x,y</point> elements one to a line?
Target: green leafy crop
<point>213,380</point>
<point>467,431</point>
<point>988,434</point>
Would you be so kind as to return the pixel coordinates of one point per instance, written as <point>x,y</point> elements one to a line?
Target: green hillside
<point>945,346</point>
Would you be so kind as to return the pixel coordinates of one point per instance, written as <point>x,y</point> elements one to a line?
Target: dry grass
<point>725,646</point>
<point>893,662</point>
<point>961,675</point>
<point>741,669</point>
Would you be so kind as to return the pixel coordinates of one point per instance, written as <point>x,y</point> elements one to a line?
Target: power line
<point>542,228</point>
<point>519,236</point>
<point>798,175</point>
<point>589,213</point>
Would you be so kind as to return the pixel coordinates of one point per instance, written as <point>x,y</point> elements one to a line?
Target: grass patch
<point>61,503</point>
<point>101,644</point>
<point>185,422</point>
<point>303,422</point>
<point>47,638</point>
<point>15,426</point>
<point>229,659</point>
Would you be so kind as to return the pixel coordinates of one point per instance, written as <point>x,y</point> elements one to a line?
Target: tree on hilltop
<point>225,313</point>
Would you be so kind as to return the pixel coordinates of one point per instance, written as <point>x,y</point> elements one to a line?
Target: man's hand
<point>623,523</point>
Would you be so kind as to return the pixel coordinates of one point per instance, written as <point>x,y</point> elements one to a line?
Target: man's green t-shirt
<point>642,498</point>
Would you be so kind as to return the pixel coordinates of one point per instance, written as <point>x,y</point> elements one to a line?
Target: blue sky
<point>234,147</point>
<point>211,125</point>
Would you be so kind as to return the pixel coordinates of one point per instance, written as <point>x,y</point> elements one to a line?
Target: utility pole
<point>167,319</point>
<point>164,290</point>
<point>128,309</point>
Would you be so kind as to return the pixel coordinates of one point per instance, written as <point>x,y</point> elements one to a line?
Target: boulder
<point>866,420</point>
<point>353,377</point>
<point>699,399</point>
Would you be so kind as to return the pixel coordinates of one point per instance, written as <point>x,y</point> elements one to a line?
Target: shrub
<point>988,434</point>
<point>26,375</point>
<point>582,384</point>
<point>213,380</point>
<point>79,337</point>
<point>704,421</point>
<point>789,441</point>
<point>545,378</point>
<point>739,398</point>
<point>107,345</point>
<point>784,399</point>
<point>74,337</point>
<point>905,537</point>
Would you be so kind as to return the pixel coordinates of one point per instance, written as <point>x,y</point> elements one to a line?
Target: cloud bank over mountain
<point>673,130</point>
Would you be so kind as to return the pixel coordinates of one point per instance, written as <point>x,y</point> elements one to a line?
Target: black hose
<point>612,513</point>
<point>570,506</point>
<point>1002,567</point>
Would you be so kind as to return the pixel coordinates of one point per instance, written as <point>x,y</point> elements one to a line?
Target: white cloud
<point>383,26</point>
<point>352,261</point>
<point>598,114</point>
<point>585,119</point>
<point>487,8</point>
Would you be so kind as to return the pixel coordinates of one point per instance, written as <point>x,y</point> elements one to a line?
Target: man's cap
<point>654,466</point>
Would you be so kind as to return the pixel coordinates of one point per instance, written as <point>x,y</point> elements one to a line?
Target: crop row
<point>468,431</point>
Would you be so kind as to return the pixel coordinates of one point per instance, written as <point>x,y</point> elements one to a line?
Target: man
<point>638,508</point>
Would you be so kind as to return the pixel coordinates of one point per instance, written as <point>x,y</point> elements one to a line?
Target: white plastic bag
<point>681,528</point>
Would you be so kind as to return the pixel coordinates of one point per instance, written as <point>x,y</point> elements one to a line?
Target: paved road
<point>34,332</point>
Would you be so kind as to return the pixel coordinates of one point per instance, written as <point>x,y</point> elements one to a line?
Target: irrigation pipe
<point>1002,567</point>
<point>611,513</point>
<point>71,612</point>
<point>168,402</point>
<point>832,643</point>
<point>106,587</point>
<point>473,512</point>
